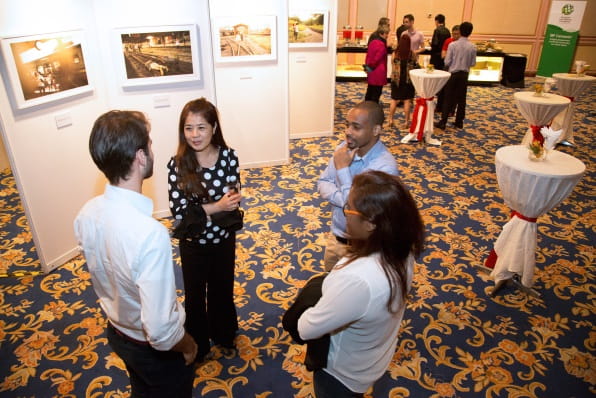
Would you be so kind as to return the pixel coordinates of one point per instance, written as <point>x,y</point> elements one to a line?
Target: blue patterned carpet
<point>455,340</point>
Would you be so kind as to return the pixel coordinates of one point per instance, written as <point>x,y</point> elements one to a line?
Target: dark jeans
<point>373,93</point>
<point>455,92</point>
<point>327,386</point>
<point>153,373</point>
<point>208,272</point>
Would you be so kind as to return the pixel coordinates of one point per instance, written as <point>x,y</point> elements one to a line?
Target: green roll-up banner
<point>562,30</point>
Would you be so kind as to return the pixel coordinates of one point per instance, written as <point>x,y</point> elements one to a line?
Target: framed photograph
<point>46,67</point>
<point>245,38</point>
<point>308,28</point>
<point>157,54</point>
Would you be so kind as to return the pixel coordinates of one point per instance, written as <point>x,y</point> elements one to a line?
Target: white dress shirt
<point>353,309</point>
<point>129,257</point>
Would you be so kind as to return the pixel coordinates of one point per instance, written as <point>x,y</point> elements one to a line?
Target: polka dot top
<point>215,179</point>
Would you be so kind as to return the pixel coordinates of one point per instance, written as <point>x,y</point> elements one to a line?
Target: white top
<point>130,260</point>
<point>353,308</point>
<point>428,84</point>
<point>532,189</point>
<point>539,110</point>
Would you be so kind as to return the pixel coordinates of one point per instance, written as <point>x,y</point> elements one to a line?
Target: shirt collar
<point>140,202</point>
<point>373,149</point>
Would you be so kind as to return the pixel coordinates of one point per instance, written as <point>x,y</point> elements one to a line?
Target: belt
<point>342,240</point>
<point>125,337</point>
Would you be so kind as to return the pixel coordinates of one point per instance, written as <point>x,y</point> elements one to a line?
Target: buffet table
<point>427,84</point>
<point>569,85</point>
<point>530,189</point>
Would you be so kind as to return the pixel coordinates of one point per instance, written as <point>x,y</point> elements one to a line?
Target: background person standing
<point>440,34</point>
<point>376,61</point>
<point>461,55</point>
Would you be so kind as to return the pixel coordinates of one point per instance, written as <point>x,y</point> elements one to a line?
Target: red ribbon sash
<point>491,260</point>
<point>536,135</point>
<point>570,98</point>
<point>421,106</point>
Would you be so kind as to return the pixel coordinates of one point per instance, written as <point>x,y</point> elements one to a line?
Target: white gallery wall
<point>252,95</point>
<point>48,144</point>
<point>312,77</point>
<point>51,165</point>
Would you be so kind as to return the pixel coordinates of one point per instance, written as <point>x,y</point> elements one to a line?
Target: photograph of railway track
<point>307,29</point>
<point>157,54</point>
<point>245,38</point>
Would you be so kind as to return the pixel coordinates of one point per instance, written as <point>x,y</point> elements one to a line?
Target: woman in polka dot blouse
<point>205,172</point>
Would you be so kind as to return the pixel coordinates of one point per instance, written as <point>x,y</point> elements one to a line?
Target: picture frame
<point>245,38</point>
<point>43,68</point>
<point>157,55</point>
<point>308,28</point>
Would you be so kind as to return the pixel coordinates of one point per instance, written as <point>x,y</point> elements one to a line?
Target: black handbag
<point>229,220</point>
<point>193,223</point>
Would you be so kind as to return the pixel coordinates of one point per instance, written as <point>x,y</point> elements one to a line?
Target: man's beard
<point>148,172</point>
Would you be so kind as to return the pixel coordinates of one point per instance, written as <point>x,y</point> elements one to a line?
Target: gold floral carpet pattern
<point>455,340</point>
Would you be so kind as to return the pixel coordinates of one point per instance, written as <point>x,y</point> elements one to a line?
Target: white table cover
<point>531,188</point>
<point>426,86</point>
<point>539,110</point>
<point>570,85</point>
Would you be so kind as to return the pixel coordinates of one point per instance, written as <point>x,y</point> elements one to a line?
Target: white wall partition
<point>252,94</point>
<point>51,164</point>
<point>312,78</point>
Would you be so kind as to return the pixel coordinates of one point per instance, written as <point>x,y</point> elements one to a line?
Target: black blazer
<point>317,349</point>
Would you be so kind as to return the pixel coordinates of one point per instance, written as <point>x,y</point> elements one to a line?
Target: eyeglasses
<point>350,211</point>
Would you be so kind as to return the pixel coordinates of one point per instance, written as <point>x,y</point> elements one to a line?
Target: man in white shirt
<point>129,257</point>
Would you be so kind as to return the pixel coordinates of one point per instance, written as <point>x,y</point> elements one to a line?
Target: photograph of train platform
<point>245,38</point>
<point>150,54</point>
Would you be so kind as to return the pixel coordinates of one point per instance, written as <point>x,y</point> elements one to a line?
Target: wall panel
<point>421,9</point>
<point>513,17</point>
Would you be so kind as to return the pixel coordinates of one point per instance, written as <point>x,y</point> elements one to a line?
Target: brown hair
<point>115,138</point>
<point>403,50</point>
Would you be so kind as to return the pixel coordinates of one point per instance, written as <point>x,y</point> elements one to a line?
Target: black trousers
<point>153,373</point>
<point>208,272</point>
<point>373,93</point>
<point>455,92</point>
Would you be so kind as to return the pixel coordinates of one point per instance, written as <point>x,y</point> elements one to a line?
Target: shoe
<point>201,359</point>
<point>458,125</point>
<point>440,125</point>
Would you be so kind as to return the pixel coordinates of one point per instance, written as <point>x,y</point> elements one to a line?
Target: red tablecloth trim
<point>420,103</point>
<point>491,260</point>
<point>570,98</point>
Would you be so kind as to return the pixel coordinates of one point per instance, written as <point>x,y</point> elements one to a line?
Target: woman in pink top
<point>376,64</point>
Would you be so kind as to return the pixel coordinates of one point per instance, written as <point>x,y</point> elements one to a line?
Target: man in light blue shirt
<point>361,151</point>
<point>461,55</point>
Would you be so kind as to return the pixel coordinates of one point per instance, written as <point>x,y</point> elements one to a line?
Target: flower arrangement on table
<point>543,140</point>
